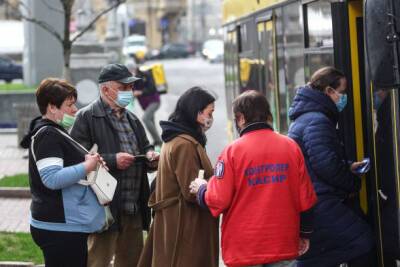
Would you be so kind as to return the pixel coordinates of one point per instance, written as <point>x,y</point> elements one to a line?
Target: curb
<point>16,264</point>
<point>14,192</point>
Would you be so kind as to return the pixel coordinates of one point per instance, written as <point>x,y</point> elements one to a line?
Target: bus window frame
<point>266,18</point>
<point>329,49</point>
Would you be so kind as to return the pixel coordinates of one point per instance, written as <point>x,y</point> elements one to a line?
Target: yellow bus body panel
<point>235,9</point>
<point>355,10</point>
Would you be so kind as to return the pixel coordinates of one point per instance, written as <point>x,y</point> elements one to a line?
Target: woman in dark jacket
<point>340,235</point>
<point>63,211</point>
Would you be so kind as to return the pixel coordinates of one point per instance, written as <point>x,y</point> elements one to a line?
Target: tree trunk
<point>67,44</point>
<point>66,75</point>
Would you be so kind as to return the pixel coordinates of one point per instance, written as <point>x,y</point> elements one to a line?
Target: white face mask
<point>207,122</point>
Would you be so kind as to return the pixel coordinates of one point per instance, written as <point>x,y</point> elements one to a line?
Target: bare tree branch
<point>98,16</point>
<point>20,5</point>
<point>52,8</point>
<point>47,27</point>
<point>44,26</point>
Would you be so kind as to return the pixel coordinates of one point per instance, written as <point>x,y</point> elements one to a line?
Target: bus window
<point>318,36</point>
<point>267,60</point>
<point>293,48</point>
<point>230,65</point>
<point>290,56</point>
<point>248,63</point>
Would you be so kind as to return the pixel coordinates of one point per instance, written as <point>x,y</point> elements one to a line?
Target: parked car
<point>9,70</point>
<point>174,51</point>
<point>135,47</point>
<point>213,50</point>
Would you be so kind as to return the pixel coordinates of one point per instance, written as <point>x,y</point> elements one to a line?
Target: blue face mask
<point>124,98</point>
<point>341,104</point>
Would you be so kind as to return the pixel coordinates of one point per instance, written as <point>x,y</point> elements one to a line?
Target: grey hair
<point>101,85</point>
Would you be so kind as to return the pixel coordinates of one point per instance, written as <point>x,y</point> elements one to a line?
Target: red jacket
<point>260,185</point>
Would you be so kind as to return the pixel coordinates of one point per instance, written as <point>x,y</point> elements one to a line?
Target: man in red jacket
<point>262,188</point>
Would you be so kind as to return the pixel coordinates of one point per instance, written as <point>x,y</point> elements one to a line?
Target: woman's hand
<point>152,155</point>
<point>195,185</point>
<point>91,161</point>
<point>304,245</point>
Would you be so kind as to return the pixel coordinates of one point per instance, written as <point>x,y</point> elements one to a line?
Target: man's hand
<point>195,185</point>
<point>304,245</point>
<point>124,160</point>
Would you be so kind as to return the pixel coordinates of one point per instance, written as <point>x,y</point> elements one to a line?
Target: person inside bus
<point>340,234</point>
<point>387,176</point>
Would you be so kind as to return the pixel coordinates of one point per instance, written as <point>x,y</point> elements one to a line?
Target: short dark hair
<point>54,91</point>
<point>189,105</point>
<point>324,77</point>
<point>253,105</point>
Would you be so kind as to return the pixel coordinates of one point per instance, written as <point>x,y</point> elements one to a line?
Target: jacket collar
<point>98,108</point>
<point>255,126</point>
<point>172,129</point>
<point>310,100</point>
<point>189,138</point>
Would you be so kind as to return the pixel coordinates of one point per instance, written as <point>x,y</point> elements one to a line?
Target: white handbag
<point>101,181</point>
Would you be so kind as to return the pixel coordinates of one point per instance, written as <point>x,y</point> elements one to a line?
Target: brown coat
<point>182,234</point>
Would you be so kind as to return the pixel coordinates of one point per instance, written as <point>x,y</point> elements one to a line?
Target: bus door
<point>268,64</point>
<point>231,73</point>
<point>376,127</point>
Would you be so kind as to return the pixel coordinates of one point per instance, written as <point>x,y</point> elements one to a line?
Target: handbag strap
<point>61,132</point>
<point>33,142</point>
<point>82,182</point>
<point>70,138</point>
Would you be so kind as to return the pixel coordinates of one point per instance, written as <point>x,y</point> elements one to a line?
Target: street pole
<point>203,20</point>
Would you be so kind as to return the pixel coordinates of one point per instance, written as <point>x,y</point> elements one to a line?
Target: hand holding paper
<point>195,185</point>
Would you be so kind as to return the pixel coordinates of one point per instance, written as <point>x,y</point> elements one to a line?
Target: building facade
<point>161,19</point>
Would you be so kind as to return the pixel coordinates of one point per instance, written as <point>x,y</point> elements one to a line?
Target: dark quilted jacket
<point>340,234</point>
<point>315,117</point>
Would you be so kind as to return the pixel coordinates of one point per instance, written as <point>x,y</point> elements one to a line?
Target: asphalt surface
<point>182,74</point>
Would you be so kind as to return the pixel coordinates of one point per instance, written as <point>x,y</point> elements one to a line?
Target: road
<point>183,74</point>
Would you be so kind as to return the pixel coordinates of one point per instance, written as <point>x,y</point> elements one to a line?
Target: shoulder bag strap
<point>33,142</point>
<point>82,182</point>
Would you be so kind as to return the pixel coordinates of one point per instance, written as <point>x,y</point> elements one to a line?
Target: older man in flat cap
<point>123,144</point>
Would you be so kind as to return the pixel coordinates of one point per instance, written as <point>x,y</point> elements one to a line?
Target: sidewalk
<point>14,212</point>
<point>11,161</point>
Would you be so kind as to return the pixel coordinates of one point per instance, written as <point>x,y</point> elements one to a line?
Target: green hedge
<point>19,247</point>
<point>16,87</point>
<point>19,180</point>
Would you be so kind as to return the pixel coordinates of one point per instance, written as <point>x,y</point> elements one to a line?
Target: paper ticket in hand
<point>201,174</point>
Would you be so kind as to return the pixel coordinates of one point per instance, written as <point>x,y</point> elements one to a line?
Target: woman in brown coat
<point>182,233</point>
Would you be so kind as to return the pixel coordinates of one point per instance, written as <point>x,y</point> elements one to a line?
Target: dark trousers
<point>61,249</point>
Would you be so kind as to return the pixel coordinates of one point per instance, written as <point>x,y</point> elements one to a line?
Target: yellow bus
<point>275,45</point>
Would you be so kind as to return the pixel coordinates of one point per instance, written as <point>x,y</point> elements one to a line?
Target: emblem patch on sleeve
<point>219,169</point>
